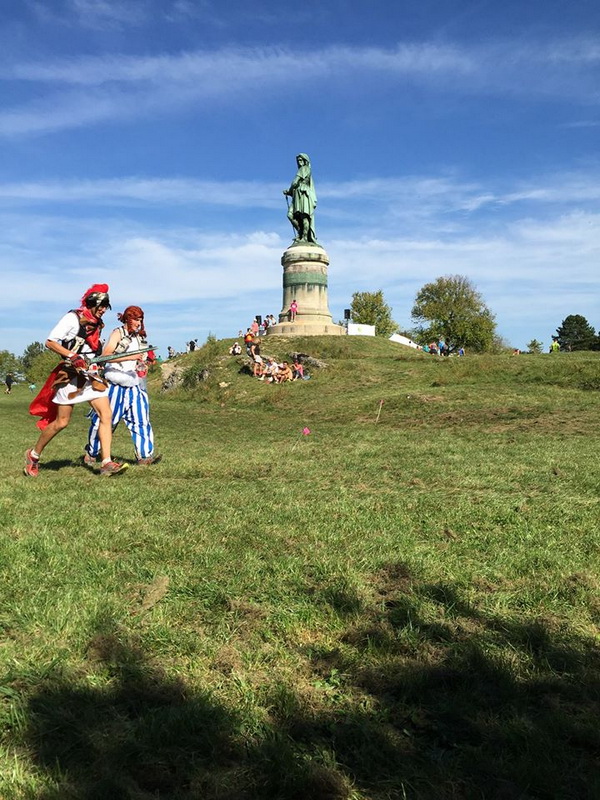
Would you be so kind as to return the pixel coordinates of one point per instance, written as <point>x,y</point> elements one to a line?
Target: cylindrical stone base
<point>305,281</point>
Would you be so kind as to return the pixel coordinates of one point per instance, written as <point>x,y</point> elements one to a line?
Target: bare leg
<point>62,420</point>
<point>101,406</point>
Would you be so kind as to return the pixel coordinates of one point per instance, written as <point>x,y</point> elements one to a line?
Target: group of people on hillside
<point>441,348</point>
<point>115,391</point>
<point>260,325</point>
<point>268,369</point>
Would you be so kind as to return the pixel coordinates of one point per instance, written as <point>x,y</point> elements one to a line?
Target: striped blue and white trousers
<point>130,404</point>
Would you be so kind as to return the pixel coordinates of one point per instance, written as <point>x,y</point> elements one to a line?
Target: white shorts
<point>61,398</point>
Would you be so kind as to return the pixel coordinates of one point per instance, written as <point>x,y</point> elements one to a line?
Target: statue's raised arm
<point>301,210</point>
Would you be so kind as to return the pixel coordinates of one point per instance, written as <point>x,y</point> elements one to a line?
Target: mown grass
<point>402,608</point>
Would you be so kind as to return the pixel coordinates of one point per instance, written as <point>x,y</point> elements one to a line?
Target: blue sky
<point>146,143</point>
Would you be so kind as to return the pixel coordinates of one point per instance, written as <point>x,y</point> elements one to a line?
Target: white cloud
<point>532,248</point>
<point>391,201</point>
<point>92,14</point>
<point>144,191</point>
<point>124,86</point>
<point>530,272</point>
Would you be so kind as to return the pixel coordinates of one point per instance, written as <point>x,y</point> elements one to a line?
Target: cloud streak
<point>87,90</point>
<point>419,195</point>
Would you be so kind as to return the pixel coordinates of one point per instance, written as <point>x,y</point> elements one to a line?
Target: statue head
<point>301,159</point>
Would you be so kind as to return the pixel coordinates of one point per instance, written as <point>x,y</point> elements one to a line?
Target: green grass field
<point>402,608</point>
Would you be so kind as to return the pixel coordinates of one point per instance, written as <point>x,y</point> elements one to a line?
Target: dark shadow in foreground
<point>424,696</point>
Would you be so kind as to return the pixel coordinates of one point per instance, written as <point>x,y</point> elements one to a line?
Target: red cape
<point>42,405</point>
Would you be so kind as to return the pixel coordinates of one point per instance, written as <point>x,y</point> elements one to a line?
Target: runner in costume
<point>127,389</point>
<point>75,338</point>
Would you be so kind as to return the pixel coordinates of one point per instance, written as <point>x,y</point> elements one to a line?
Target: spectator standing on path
<point>255,327</point>
<point>9,380</point>
<point>74,338</point>
<point>293,310</point>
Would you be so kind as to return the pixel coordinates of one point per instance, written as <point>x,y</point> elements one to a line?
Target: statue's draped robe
<point>304,197</point>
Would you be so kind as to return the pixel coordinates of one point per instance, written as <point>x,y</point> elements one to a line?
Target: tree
<point>535,347</point>
<point>41,366</point>
<point>369,308</point>
<point>8,363</point>
<point>576,333</point>
<point>32,351</point>
<point>452,309</point>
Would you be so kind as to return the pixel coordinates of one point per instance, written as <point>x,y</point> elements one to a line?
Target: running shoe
<point>153,459</point>
<point>32,465</point>
<point>112,468</point>
<point>89,461</point>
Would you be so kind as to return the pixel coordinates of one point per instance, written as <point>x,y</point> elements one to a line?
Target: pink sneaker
<point>32,465</point>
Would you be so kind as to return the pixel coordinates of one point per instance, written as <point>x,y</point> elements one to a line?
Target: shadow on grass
<point>146,735</point>
<point>57,464</point>
<point>463,704</point>
<point>424,696</point>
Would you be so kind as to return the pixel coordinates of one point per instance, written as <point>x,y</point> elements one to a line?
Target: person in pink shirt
<point>297,370</point>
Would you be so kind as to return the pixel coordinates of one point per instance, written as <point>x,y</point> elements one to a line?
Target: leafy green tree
<point>369,308</point>
<point>451,308</point>
<point>576,333</point>
<point>8,363</point>
<point>41,366</point>
<point>535,347</point>
<point>32,351</point>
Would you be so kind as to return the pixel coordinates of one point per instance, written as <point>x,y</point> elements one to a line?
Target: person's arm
<point>57,348</point>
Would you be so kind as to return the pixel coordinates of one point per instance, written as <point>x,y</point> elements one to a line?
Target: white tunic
<point>123,373</point>
<point>64,330</point>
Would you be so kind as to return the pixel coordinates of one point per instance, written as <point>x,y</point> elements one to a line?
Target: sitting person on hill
<point>270,371</point>
<point>284,373</point>
<point>235,349</point>
<point>297,370</point>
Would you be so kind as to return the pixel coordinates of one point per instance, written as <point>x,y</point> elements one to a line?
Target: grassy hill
<point>402,606</point>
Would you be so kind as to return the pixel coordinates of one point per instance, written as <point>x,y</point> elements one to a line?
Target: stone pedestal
<point>305,281</point>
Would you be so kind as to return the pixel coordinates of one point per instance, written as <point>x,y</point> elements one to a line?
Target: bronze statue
<point>304,200</point>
